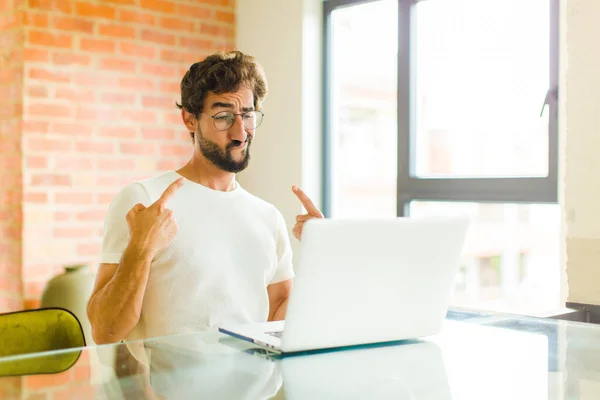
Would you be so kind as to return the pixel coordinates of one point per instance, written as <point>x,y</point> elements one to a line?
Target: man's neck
<point>205,173</point>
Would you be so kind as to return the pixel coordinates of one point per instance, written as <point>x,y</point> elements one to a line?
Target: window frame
<point>538,190</point>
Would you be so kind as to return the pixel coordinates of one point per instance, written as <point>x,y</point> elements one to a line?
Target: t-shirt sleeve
<point>116,232</point>
<point>284,270</point>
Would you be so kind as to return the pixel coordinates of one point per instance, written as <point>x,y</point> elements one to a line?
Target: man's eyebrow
<point>220,104</point>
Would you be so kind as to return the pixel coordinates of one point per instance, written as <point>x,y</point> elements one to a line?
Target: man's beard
<point>223,159</point>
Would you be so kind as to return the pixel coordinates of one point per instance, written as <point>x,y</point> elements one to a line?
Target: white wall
<point>285,37</point>
<point>582,154</point>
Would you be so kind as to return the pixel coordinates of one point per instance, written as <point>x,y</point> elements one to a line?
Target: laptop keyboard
<point>277,334</point>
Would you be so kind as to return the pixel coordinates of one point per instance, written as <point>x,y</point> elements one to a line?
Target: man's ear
<point>189,120</point>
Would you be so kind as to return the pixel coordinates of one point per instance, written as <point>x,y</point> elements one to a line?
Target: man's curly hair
<point>221,72</point>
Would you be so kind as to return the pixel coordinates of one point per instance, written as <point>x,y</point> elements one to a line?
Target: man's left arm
<point>278,299</point>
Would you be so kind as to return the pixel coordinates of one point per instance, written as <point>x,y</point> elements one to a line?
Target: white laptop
<point>365,281</point>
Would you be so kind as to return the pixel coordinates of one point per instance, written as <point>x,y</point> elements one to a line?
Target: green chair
<point>32,332</point>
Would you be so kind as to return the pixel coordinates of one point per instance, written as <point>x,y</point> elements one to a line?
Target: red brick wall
<point>100,82</point>
<point>11,103</point>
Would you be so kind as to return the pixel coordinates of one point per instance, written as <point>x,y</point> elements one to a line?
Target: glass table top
<point>476,356</point>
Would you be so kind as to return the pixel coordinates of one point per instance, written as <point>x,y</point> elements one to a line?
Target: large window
<point>449,107</point>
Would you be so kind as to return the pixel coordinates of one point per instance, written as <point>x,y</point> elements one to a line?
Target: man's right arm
<point>114,308</point>
<point>116,302</point>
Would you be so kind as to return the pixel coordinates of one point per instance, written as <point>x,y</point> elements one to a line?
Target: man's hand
<point>153,228</point>
<point>311,209</point>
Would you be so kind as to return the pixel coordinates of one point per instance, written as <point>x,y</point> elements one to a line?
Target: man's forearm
<point>279,313</point>
<point>115,309</point>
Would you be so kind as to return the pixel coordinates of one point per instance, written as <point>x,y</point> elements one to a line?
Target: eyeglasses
<point>225,119</point>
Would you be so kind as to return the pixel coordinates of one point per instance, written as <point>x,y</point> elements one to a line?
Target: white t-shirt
<point>230,246</point>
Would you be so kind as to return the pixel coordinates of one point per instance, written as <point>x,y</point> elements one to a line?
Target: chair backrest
<point>35,331</point>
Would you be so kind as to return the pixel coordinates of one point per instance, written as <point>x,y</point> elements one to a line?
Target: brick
<point>97,114</point>
<point>48,75</point>
<point>73,24</point>
<point>137,17</point>
<point>170,87</point>
<point>43,38</point>
<point>118,132</point>
<point>62,216</point>
<point>37,91</point>
<point>10,128</point>
<point>49,110</point>
<point>63,6</point>
<point>50,180</point>
<point>95,147</point>
<point>74,95</point>
<point>159,134</point>
<point>158,102</point>
<point>196,44</point>
<point>141,116</point>
<point>48,145</point>
<point>137,148</point>
<point>97,45</point>
<point>216,2</point>
<point>10,303</point>
<point>118,31</point>
<point>179,57</point>
<point>91,216</point>
<point>90,249</point>
<point>119,98</point>
<point>74,233</point>
<point>177,24</point>
<point>73,198</point>
<point>122,2</point>
<point>10,111</point>
<point>10,198</point>
<point>95,10</point>
<point>175,150</point>
<point>96,80</point>
<point>172,118</point>
<point>148,35</point>
<point>10,285</point>
<point>197,12</point>
<point>35,19</point>
<point>116,64</point>
<point>74,163</point>
<point>35,198</point>
<point>32,304</point>
<point>36,55</point>
<point>10,162</point>
<point>9,21</point>
<point>11,75</point>
<point>159,70</point>
<point>71,59</point>
<point>159,5</point>
<point>73,129</point>
<point>34,162</point>
<point>30,126</point>
<point>137,50</point>
<point>168,165</point>
<point>225,16</point>
<point>47,381</point>
<point>216,30</point>
<point>138,84</point>
<point>116,164</point>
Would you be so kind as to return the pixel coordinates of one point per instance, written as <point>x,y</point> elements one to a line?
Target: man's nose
<point>237,131</point>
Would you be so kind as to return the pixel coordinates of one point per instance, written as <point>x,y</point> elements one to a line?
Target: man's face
<point>227,149</point>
